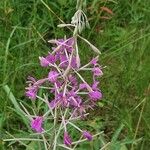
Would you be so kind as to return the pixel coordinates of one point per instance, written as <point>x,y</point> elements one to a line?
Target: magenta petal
<point>31,93</point>
<point>97,71</point>
<point>87,135</point>
<point>94,61</point>
<point>36,124</point>
<point>67,139</point>
<point>63,61</point>
<point>51,58</point>
<point>53,104</point>
<point>73,80</point>
<point>52,76</point>
<point>70,42</point>
<point>73,62</point>
<point>95,95</point>
<point>95,84</point>
<point>44,62</point>
<point>74,101</point>
<point>83,86</point>
<point>31,79</point>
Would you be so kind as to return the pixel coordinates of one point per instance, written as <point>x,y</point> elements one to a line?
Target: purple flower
<point>94,61</point>
<point>31,93</point>
<point>97,71</point>
<point>58,85</point>
<point>95,84</point>
<point>44,62</point>
<point>83,86</point>
<point>36,124</point>
<point>73,62</point>
<point>63,44</point>
<point>51,58</point>
<point>52,76</point>
<point>59,99</point>
<point>66,44</point>
<point>87,135</point>
<point>64,101</point>
<point>54,103</point>
<point>33,87</point>
<point>95,95</point>
<point>67,139</point>
<point>70,43</point>
<point>63,61</point>
<point>73,80</point>
<point>68,88</point>
<point>74,100</point>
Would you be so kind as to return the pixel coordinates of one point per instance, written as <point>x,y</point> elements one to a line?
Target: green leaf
<point>33,145</point>
<point>117,133</point>
<point>2,119</point>
<point>123,147</point>
<point>18,110</point>
<point>62,2</point>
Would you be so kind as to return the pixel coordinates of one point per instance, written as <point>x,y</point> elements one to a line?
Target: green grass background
<point>124,112</point>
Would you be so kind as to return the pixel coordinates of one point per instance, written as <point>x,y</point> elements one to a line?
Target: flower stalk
<point>66,93</point>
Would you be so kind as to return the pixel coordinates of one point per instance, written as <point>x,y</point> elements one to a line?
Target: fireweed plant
<point>66,93</point>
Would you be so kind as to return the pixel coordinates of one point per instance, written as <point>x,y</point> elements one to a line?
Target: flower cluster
<point>65,82</point>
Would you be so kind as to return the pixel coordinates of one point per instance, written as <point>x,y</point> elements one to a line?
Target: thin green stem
<point>138,124</point>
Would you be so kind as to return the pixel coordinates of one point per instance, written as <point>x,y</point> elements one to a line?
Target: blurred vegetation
<point>121,33</point>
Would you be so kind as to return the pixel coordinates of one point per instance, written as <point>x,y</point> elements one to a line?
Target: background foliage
<point>122,37</point>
